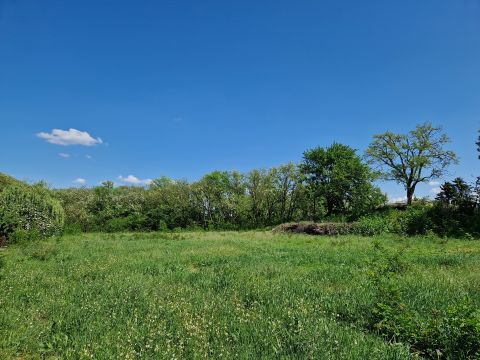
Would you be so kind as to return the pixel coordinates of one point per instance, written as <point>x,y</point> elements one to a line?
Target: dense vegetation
<point>226,200</point>
<point>332,184</point>
<point>27,211</point>
<point>329,182</point>
<point>390,282</point>
<point>240,295</point>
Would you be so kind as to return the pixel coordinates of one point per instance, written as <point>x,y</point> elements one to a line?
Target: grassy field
<point>227,295</point>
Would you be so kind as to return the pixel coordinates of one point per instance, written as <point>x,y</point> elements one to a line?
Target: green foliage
<point>331,185</point>
<point>77,204</point>
<point>25,236</point>
<point>6,180</point>
<point>452,332</point>
<point>218,196</point>
<point>415,220</point>
<point>170,206</point>
<point>457,194</point>
<point>220,200</point>
<point>28,210</point>
<point>371,225</point>
<point>339,182</point>
<point>413,158</point>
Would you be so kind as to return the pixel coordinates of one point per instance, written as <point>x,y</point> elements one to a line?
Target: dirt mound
<point>316,228</point>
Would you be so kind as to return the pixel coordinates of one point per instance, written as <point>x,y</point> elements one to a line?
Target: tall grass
<point>226,295</point>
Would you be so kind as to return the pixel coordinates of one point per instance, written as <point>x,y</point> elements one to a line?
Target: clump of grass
<point>452,331</point>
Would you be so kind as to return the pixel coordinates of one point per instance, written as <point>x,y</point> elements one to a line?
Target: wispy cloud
<point>64,155</point>
<point>435,190</point>
<point>88,156</point>
<point>133,180</point>
<point>433,183</point>
<point>69,137</point>
<point>80,181</point>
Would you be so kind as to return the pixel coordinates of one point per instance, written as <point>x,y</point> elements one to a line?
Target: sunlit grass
<point>217,295</point>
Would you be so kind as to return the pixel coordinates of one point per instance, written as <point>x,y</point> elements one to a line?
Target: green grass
<point>221,294</point>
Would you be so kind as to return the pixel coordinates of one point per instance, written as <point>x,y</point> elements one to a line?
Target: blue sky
<point>181,88</point>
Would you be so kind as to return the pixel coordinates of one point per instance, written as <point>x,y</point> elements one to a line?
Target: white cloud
<point>69,137</point>
<point>130,179</point>
<point>435,190</point>
<point>398,199</point>
<point>64,155</point>
<point>80,181</point>
<point>433,183</point>
<point>88,156</point>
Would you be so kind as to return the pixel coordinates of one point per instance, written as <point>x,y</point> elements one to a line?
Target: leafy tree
<point>259,185</point>
<point>273,195</point>
<point>108,184</point>
<point>457,193</point>
<point>336,178</point>
<point>6,180</point>
<point>162,181</point>
<point>476,189</point>
<point>476,192</point>
<point>287,182</point>
<point>77,203</point>
<point>169,205</point>
<point>219,195</point>
<point>29,208</point>
<point>413,158</point>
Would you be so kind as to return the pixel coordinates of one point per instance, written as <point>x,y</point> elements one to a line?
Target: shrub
<point>371,225</point>
<point>132,222</point>
<point>415,220</point>
<point>77,205</point>
<point>118,224</point>
<point>29,212</point>
<point>6,180</point>
<point>20,235</point>
<point>453,333</point>
<point>72,229</point>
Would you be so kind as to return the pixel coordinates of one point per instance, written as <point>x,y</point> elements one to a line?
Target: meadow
<point>239,295</point>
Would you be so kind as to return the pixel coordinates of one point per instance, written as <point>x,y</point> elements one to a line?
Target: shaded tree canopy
<point>457,193</point>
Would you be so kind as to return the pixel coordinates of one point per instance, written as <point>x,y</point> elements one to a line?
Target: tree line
<point>329,182</point>
<point>333,183</point>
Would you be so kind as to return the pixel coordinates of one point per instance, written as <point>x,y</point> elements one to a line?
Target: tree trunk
<point>410,191</point>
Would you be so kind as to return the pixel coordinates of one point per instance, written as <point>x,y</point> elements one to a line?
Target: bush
<point>415,220</point>
<point>6,180</point>
<point>28,212</point>
<point>371,225</point>
<point>23,236</point>
<point>77,205</point>
<point>133,222</point>
<point>422,219</point>
<point>453,333</point>
<point>118,224</point>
